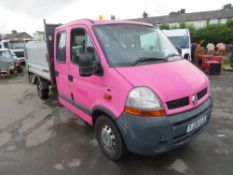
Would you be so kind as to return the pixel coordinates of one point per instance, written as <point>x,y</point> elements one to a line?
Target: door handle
<point>70,78</point>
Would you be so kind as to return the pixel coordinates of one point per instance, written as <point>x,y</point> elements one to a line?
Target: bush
<point>215,33</point>
<point>164,27</point>
<point>183,25</point>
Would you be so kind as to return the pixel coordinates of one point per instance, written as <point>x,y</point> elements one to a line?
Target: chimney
<point>145,15</point>
<point>14,32</point>
<point>182,11</point>
<point>113,17</point>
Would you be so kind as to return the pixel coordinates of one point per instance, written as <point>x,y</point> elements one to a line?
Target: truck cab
<point>128,81</point>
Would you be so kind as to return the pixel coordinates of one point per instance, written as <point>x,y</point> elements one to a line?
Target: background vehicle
<point>127,80</point>
<point>7,63</point>
<point>16,47</point>
<point>210,64</point>
<point>180,38</point>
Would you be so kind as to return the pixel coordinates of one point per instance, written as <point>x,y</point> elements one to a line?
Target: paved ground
<point>43,138</point>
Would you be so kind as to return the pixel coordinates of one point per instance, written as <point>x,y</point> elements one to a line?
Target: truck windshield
<point>180,41</point>
<point>126,45</point>
<point>16,44</point>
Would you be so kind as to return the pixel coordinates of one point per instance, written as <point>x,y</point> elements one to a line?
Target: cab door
<point>85,90</point>
<point>61,66</point>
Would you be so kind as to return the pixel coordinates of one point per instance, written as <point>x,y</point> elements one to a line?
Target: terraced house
<point>198,19</point>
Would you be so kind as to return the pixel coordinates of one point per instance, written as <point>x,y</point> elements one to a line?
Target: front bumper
<point>150,136</point>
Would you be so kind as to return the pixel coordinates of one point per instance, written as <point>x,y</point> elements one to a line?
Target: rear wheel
<point>42,91</point>
<point>109,138</point>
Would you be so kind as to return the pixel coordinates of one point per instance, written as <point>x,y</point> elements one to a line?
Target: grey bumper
<point>150,136</point>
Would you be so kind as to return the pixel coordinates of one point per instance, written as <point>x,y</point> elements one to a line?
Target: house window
<point>199,24</point>
<point>223,21</point>
<point>213,21</point>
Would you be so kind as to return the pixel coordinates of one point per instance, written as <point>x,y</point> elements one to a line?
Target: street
<point>43,138</point>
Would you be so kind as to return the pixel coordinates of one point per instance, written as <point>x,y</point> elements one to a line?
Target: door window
<point>61,47</point>
<point>81,43</point>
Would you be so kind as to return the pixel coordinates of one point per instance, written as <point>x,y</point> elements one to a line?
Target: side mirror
<point>87,66</point>
<point>186,56</point>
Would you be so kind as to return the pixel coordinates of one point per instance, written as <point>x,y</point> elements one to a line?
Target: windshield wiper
<point>148,59</point>
<point>172,55</point>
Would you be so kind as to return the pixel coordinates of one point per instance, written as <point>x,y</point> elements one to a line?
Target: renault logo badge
<point>194,99</point>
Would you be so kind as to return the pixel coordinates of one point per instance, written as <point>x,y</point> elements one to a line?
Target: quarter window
<point>61,47</point>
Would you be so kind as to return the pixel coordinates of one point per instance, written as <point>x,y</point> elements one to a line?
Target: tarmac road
<point>44,138</point>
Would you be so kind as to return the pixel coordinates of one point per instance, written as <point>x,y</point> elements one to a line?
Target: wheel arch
<point>100,110</point>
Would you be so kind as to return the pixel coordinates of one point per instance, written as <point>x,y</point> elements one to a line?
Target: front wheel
<point>109,138</point>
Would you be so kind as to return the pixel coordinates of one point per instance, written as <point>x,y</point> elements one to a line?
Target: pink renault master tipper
<point>128,81</point>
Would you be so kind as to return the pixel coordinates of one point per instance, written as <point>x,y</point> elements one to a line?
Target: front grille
<point>19,54</point>
<point>201,93</point>
<point>214,68</point>
<point>178,103</point>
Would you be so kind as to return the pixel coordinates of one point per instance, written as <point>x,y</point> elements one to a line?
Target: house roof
<point>39,32</point>
<point>20,35</point>
<point>196,16</point>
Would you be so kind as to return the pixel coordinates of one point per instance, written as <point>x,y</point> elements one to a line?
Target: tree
<point>192,31</point>
<point>215,33</point>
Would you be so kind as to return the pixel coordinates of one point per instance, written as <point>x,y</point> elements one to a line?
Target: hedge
<point>214,33</point>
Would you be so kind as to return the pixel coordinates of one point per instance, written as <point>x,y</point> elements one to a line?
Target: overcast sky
<point>27,15</point>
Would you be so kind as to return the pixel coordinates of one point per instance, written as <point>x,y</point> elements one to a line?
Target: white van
<point>180,38</point>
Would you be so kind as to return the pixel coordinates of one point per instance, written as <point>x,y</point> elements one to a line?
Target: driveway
<point>43,138</point>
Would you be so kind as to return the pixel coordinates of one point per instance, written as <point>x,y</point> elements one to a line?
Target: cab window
<point>81,43</point>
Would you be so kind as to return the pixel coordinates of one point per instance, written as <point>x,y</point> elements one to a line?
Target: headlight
<point>142,101</point>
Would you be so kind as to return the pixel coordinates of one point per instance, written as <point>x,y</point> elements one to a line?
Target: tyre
<point>19,69</point>
<point>30,78</point>
<point>109,138</point>
<point>43,93</point>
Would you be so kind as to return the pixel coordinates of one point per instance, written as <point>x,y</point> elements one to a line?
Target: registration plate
<point>196,124</point>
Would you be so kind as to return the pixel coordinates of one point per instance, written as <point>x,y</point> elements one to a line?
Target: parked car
<point>180,38</point>
<point>127,80</point>
<point>9,57</point>
<point>16,47</point>
<point>7,63</point>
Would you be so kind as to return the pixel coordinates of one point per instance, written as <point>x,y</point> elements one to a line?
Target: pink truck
<point>127,80</point>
